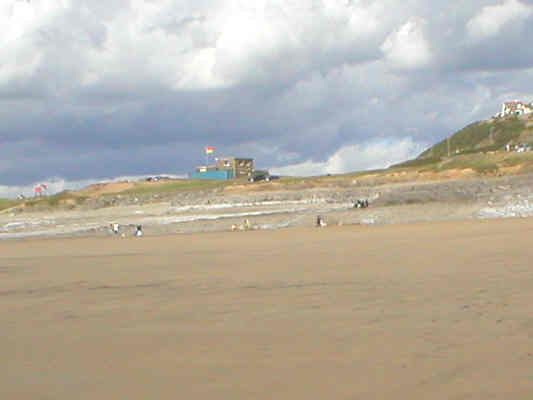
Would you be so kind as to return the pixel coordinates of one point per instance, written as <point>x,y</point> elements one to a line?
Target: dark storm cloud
<point>103,88</point>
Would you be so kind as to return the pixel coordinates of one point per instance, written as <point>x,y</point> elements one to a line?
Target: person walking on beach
<point>115,228</point>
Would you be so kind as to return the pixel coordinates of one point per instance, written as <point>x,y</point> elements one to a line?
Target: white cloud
<point>407,47</point>
<point>367,156</point>
<point>261,78</point>
<point>182,45</point>
<point>492,19</point>
<point>18,21</point>
<point>277,39</point>
<point>57,185</point>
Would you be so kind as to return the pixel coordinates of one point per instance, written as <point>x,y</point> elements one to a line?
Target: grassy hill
<point>475,150</point>
<point>490,135</point>
<point>466,165</point>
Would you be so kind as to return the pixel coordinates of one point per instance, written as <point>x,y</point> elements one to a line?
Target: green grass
<point>479,163</point>
<point>478,137</point>
<point>173,186</point>
<point>514,159</point>
<point>507,131</point>
<point>8,203</point>
<point>55,200</point>
<point>465,139</point>
<point>417,162</point>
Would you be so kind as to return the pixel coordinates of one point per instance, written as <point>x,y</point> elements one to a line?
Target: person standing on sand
<point>139,231</point>
<point>114,228</point>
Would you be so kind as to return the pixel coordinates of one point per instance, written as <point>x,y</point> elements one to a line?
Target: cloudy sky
<point>102,88</point>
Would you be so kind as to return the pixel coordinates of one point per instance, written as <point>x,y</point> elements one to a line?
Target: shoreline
<point>203,212</point>
<point>342,218</point>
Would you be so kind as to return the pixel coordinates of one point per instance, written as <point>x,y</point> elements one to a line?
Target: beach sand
<point>439,310</point>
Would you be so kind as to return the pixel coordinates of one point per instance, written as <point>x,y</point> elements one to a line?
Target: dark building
<point>225,168</point>
<point>239,166</point>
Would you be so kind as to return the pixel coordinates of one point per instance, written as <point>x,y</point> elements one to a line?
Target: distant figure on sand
<point>139,231</point>
<point>360,204</point>
<point>114,228</point>
<point>320,222</point>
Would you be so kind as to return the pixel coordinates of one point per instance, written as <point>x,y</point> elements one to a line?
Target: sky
<point>93,89</point>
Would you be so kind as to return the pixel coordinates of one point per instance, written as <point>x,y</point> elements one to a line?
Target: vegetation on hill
<point>66,199</point>
<point>483,136</point>
<point>173,186</point>
<point>8,203</point>
<point>477,149</point>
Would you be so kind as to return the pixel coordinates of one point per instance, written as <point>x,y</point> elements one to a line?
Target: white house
<point>516,108</point>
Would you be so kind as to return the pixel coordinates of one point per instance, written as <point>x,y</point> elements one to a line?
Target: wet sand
<point>438,310</point>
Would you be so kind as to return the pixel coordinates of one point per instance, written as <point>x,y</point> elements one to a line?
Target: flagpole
<point>208,150</point>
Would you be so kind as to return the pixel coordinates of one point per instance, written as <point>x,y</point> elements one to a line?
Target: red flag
<point>209,150</point>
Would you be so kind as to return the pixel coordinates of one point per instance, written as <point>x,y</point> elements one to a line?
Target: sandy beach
<point>267,207</point>
<point>436,310</point>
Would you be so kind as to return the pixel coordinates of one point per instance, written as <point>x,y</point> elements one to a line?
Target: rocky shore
<point>224,210</point>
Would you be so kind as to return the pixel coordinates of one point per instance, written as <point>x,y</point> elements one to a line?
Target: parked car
<point>155,178</point>
<point>259,175</point>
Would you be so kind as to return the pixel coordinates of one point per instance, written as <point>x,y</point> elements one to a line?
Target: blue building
<point>225,168</point>
<point>212,174</point>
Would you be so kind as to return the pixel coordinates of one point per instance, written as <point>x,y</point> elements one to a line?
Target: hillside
<point>460,167</point>
<point>477,150</point>
<point>491,135</point>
